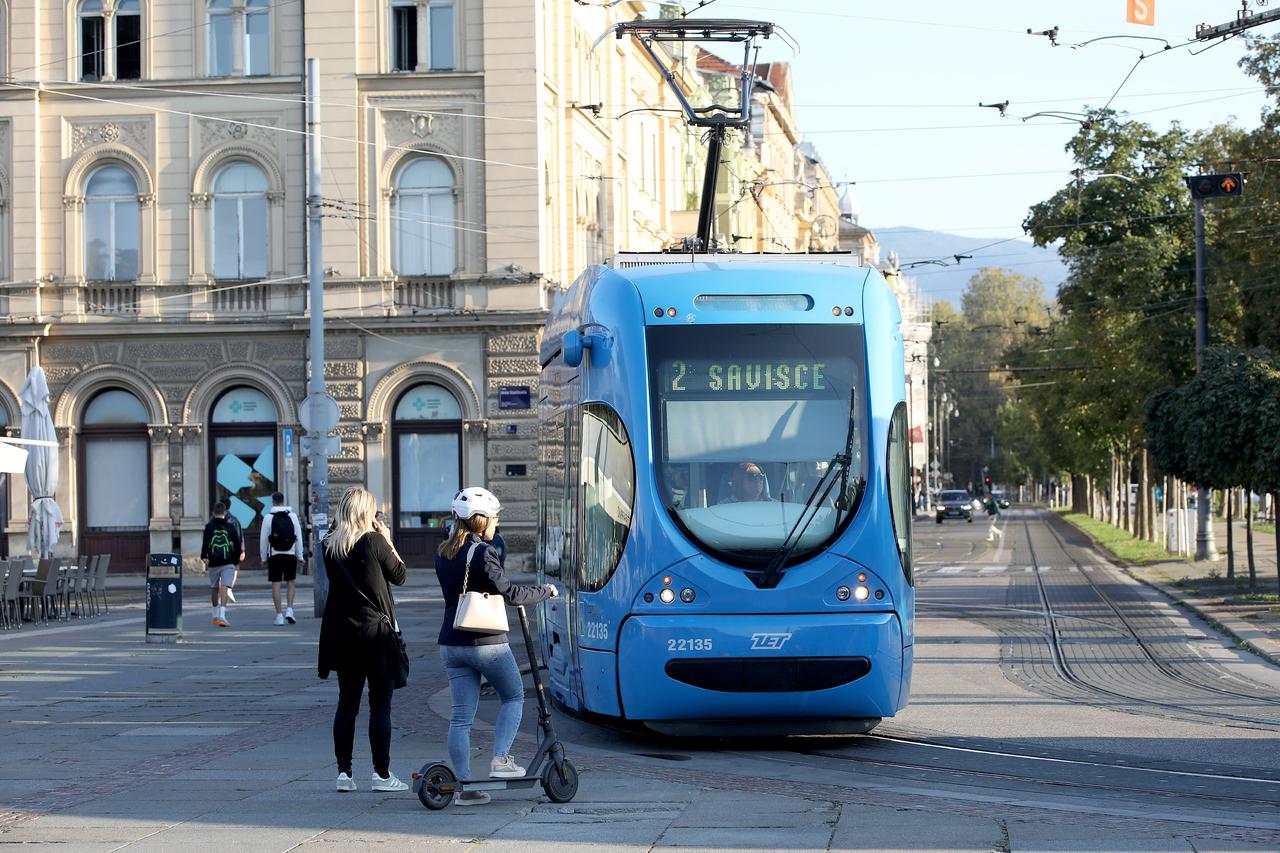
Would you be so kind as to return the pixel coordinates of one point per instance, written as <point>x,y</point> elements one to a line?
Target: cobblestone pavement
<point>109,743</point>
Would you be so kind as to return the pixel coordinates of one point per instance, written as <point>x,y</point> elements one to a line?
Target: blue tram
<point>724,496</point>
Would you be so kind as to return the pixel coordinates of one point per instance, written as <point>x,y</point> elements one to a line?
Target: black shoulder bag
<point>394,652</point>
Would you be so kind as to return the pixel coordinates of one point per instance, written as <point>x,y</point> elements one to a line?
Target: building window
<point>113,52</point>
<point>111,226</point>
<point>422,32</point>
<point>115,458</point>
<point>426,429</point>
<point>422,213</point>
<point>242,439</point>
<point>239,237</point>
<point>257,37</point>
<point>93,41</point>
<point>128,41</point>
<point>239,37</point>
<point>404,35</point>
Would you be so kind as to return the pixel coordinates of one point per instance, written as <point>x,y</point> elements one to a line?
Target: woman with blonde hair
<point>359,615</point>
<point>468,562</point>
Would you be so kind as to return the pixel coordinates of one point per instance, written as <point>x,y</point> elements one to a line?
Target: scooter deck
<point>498,784</point>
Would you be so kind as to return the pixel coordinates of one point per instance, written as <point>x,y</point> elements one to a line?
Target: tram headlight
<point>667,595</point>
<point>671,312</point>
<point>861,593</point>
<point>835,311</point>
<point>687,595</point>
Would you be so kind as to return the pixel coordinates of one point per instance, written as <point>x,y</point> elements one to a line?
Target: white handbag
<point>479,611</point>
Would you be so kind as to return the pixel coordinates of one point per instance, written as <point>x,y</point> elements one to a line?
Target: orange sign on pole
<point>1142,12</point>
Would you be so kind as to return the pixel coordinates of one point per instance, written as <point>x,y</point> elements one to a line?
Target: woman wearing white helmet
<point>467,654</point>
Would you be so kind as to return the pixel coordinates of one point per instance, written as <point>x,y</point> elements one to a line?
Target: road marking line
<point>951,570</point>
<point>991,570</point>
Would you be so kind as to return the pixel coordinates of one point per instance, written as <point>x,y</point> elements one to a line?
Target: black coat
<point>351,629</point>
<point>486,576</point>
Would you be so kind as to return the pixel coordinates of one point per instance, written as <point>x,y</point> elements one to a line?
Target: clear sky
<point>888,91</point>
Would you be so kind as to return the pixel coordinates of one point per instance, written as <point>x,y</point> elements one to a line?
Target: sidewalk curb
<point>1235,629</point>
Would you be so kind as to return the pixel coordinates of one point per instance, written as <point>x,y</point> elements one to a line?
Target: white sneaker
<point>505,767</point>
<point>472,798</point>
<point>346,783</point>
<point>279,618</point>
<point>288,616</point>
<point>388,784</point>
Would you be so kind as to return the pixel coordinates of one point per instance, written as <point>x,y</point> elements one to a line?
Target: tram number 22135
<point>699,644</point>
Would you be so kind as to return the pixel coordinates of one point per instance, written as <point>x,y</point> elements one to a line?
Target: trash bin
<point>164,598</point>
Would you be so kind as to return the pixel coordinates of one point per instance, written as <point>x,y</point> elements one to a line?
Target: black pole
<point>707,210</point>
<point>1206,549</point>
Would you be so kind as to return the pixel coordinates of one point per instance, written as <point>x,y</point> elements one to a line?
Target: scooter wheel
<point>561,784</point>
<point>434,779</point>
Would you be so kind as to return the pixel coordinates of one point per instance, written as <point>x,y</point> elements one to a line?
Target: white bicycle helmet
<point>476,501</point>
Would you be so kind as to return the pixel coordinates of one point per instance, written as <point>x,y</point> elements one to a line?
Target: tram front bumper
<point>791,666</point>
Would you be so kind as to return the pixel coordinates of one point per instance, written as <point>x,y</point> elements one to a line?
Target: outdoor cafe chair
<point>100,580</point>
<point>77,574</point>
<point>87,578</point>
<point>32,591</point>
<point>9,614</point>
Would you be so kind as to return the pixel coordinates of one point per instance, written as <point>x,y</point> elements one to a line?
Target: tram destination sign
<point>787,377</point>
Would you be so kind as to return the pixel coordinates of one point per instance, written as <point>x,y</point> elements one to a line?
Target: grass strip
<point>1118,542</point>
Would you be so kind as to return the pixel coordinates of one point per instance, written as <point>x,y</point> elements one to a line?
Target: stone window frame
<point>7,264</point>
<point>4,39</point>
<point>400,158</point>
<point>73,199</point>
<point>423,51</point>
<point>75,49</point>
<point>239,14</point>
<point>201,208</point>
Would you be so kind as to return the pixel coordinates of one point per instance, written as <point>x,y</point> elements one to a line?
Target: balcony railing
<point>238,298</point>
<point>121,300</point>
<point>426,294</point>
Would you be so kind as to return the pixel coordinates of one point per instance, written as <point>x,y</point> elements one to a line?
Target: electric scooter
<point>435,784</point>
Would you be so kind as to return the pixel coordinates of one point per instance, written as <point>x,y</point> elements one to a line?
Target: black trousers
<point>350,688</point>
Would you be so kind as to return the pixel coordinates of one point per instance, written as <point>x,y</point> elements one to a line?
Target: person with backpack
<point>222,549</point>
<point>281,542</point>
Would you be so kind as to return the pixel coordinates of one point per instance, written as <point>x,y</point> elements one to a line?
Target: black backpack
<point>282,536</point>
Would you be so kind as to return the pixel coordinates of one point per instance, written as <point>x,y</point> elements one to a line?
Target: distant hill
<point>948,283</point>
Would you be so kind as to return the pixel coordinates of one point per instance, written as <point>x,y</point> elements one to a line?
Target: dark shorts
<point>282,567</point>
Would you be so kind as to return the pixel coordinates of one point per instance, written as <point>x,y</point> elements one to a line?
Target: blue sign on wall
<point>513,397</point>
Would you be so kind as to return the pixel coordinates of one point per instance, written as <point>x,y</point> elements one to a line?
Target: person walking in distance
<point>467,561</point>
<point>281,542</point>
<point>222,549</point>
<point>361,563</point>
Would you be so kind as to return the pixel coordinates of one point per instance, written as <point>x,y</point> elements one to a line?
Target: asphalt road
<point>1056,705</point>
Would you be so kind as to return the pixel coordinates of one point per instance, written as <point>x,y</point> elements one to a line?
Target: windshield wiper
<point>841,462</point>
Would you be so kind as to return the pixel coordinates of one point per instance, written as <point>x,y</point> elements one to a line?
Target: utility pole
<point>319,412</point>
<point>1202,187</point>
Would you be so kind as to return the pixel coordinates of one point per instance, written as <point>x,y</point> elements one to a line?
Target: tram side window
<point>899,482</point>
<point>608,491</point>
<point>551,527</point>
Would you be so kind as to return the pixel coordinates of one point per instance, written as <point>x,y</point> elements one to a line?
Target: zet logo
<point>773,642</point>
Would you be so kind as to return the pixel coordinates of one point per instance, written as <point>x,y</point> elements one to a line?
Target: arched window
<point>426,430</point>
<point>242,444</point>
<point>111,225</point>
<point>239,37</point>
<point>115,485</point>
<point>239,237</point>
<point>422,213</point>
<point>116,53</point>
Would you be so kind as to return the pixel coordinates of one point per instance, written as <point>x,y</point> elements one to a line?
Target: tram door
<point>559,548</point>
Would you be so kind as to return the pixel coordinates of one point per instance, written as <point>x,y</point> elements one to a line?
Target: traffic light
<point>987,482</point>
<point>1206,186</point>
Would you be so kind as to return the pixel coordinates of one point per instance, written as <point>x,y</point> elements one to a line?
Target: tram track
<point>1066,670</point>
<point>1167,668</point>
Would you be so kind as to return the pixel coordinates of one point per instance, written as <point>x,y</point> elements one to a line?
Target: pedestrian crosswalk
<point>996,569</point>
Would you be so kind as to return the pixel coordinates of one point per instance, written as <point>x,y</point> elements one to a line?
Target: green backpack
<point>221,547</point>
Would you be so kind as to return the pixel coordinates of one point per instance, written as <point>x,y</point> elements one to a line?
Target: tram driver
<point>747,484</point>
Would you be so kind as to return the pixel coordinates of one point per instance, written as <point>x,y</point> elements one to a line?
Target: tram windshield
<point>747,420</point>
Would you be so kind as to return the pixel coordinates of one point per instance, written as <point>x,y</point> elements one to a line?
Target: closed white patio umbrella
<point>45,517</point>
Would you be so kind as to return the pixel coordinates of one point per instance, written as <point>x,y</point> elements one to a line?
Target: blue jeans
<point>464,666</point>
